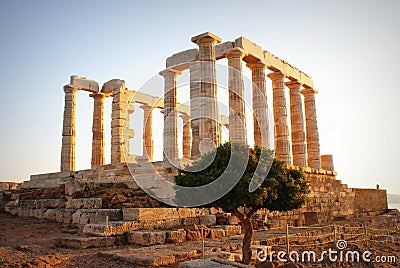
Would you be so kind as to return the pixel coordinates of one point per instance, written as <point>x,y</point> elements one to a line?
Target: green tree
<point>283,189</point>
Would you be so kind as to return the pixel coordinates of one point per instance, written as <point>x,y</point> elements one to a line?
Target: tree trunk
<point>248,236</point>
<point>248,233</point>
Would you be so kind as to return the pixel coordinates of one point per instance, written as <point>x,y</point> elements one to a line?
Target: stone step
<point>114,228</point>
<point>84,216</point>
<point>79,242</point>
<point>154,256</point>
<point>42,203</point>
<point>154,214</point>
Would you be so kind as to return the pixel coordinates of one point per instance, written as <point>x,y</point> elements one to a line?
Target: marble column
<point>170,115</point>
<point>312,135</point>
<point>119,122</point>
<point>297,125</point>
<point>327,162</point>
<point>148,132</point>
<point>98,130</point>
<point>187,136</point>
<point>208,125</point>
<point>194,72</point>
<point>237,117</point>
<point>282,146</point>
<point>260,105</point>
<point>69,132</point>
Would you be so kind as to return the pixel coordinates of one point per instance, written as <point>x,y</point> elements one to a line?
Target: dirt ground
<point>30,243</point>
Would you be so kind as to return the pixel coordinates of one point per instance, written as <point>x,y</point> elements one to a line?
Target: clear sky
<point>350,49</point>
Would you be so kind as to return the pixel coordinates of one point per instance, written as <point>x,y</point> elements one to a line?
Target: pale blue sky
<point>350,48</point>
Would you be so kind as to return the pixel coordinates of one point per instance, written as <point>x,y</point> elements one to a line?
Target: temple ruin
<point>106,200</point>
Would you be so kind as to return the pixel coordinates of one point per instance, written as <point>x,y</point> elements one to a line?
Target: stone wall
<point>369,201</point>
<point>86,195</point>
<point>5,186</point>
<point>329,200</point>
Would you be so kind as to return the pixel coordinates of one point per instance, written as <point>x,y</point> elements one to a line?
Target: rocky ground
<point>30,243</point>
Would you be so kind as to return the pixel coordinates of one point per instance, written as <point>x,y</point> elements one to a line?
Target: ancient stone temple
<point>300,149</point>
<point>110,189</point>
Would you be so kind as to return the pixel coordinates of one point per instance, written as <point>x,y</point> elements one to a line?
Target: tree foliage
<point>283,189</point>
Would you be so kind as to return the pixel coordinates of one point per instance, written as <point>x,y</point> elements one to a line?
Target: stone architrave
<point>260,105</point>
<point>297,125</point>
<point>148,132</point>
<point>69,132</point>
<point>187,136</point>
<point>312,136</point>
<point>282,145</point>
<point>237,117</point>
<point>170,115</point>
<point>98,130</point>
<point>208,125</point>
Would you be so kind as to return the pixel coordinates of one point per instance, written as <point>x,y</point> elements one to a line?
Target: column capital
<point>256,65</point>
<point>100,95</point>
<point>235,52</point>
<point>206,37</point>
<point>170,72</point>
<point>308,91</point>
<point>293,84</point>
<point>70,89</point>
<point>276,75</point>
<point>146,106</point>
<point>184,116</point>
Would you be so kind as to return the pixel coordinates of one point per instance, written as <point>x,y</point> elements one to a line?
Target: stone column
<point>170,115</point>
<point>237,117</point>
<point>118,122</point>
<point>208,132</point>
<point>327,162</point>
<point>297,125</point>
<point>69,133</point>
<point>187,136</point>
<point>194,72</point>
<point>282,146</point>
<point>312,135</point>
<point>260,106</point>
<point>147,131</point>
<point>98,130</point>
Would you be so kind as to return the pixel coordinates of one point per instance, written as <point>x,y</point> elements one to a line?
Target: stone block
<point>67,216</point>
<point>154,214</point>
<point>86,203</point>
<point>190,221</point>
<point>73,187</point>
<point>99,215</point>
<point>84,83</point>
<point>221,48</point>
<point>176,236</point>
<point>231,230</point>
<point>193,235</point>
<point>114,228</point>
<point>208,220</point>
<point>232,220</point>
<point>49,203</point>
<point>216,233</point>
<point>87,242</point>
<point>147,238</point>
<point>50,214</point>
<point>183,57</point>
<point>250,48</point>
